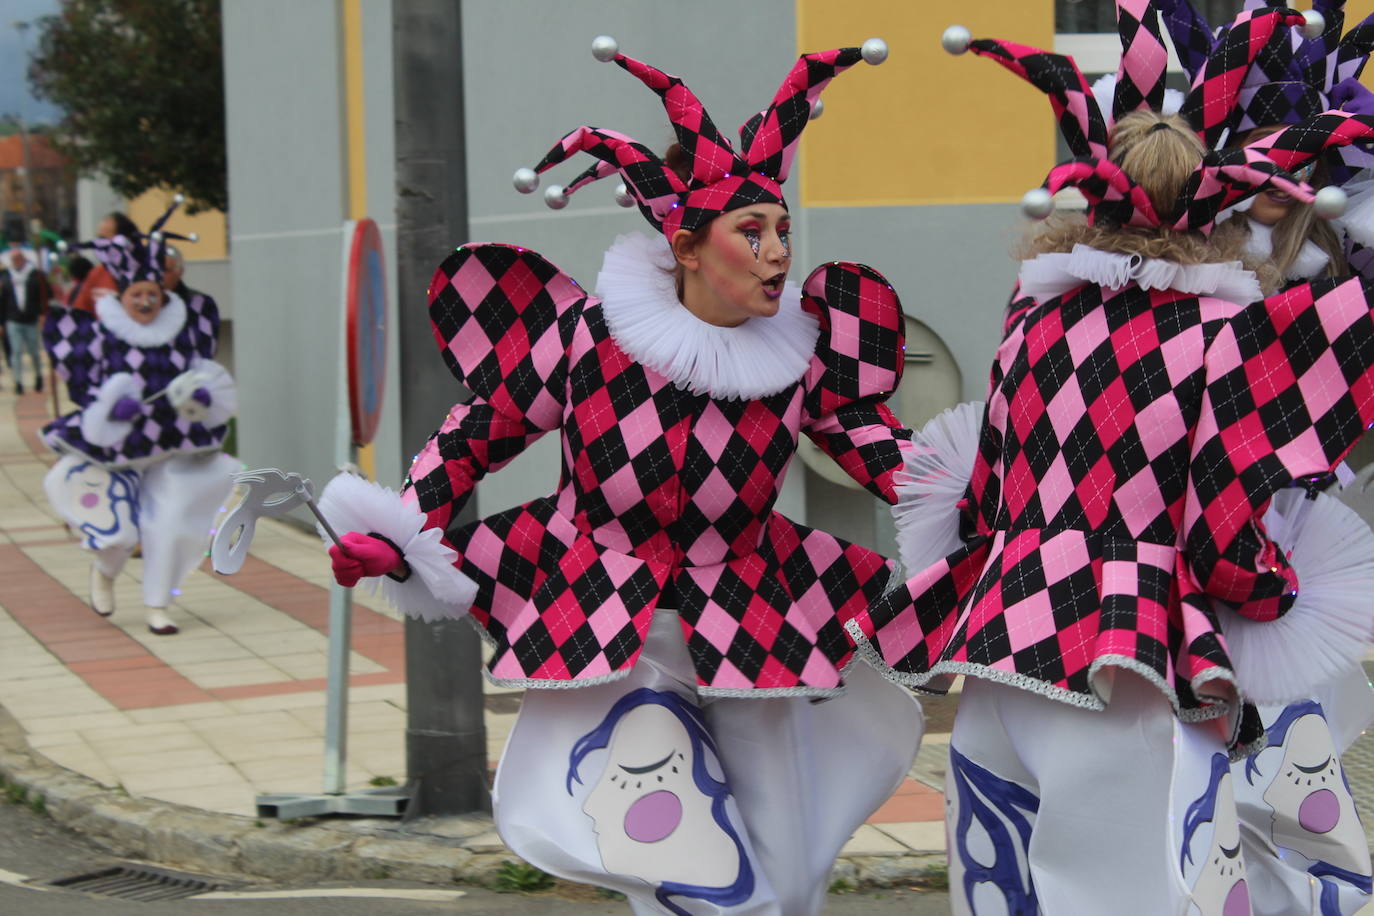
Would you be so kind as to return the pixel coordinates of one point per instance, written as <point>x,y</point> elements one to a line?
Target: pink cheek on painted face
<point>1319,812</point>
<point>1237,901</point>
<point>653,817</point>
<point>89,500</point>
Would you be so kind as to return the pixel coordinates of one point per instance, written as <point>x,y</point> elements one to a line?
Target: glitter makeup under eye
<point>754,241</point>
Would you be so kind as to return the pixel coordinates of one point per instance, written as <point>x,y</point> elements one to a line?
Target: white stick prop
<point>271,493</point>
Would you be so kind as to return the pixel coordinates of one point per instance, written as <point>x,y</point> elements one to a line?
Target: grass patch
<point>521,877</point>
<point>935,878</point>
<point>382,781</point>
<point>38,804</point>
<point>843,886</point>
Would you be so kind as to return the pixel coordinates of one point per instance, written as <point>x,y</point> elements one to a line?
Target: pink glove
<point>363,555</point>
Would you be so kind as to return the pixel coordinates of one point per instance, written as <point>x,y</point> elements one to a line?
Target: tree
<point>141,84</point>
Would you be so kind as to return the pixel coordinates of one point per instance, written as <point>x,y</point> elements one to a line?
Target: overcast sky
<point>14,51</point>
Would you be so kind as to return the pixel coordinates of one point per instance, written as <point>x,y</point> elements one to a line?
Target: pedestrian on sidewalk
<point>23,301</point>
<point>694,769</point>
<point>141,464</point>
<point>1112,589</point>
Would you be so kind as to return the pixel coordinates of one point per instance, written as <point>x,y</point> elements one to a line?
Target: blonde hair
<point>1159,153</point>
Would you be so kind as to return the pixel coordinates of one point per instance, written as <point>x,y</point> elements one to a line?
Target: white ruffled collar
<point>161,330</point>
<point>1050,275</point>
<point>752,360</point>
<point>1310,262</point>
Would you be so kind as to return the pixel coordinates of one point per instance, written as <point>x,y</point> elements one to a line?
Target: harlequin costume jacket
<point>107,355</point>
<point>676,436</point>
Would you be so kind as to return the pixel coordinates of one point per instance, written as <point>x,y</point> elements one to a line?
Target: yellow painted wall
<point>208,224</point>
<point>926,127</point>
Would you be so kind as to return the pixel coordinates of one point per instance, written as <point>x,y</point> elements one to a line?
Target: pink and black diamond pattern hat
<point>722,178</point>
<point>1222,178</point>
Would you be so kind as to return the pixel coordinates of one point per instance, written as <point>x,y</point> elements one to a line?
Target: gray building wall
<point>288,183</point>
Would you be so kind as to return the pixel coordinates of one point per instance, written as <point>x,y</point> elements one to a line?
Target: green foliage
<point>141,84</point>
<point>16,793</point>
<point>381,781</point>
<point>843,886</point>
<point>935,878</point>
<point>520,876</point>
<point>38,804</point>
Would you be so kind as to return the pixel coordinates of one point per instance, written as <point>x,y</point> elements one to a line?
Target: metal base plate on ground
<point>373,803</point>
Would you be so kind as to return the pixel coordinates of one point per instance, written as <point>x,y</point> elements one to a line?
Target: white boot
<point>102,592</point>
<point>159,624</point>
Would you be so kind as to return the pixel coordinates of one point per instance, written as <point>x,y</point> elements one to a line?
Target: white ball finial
<point>1330,203</point>
<point>817,109</point>
<point>874,51</point>
<point>554,198</point>
<point>956,39</point>
<point>623,196</point>
<point>193,237</point>
<point>178,198</point>
<point>156,236</point>
<point>525,181</point>
<point>1314,23</point>
<point>1037,203</point>
<point>605,48</point>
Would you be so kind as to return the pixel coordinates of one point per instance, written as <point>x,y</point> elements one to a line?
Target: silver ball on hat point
<point>193,237</point>
<point>623,196</point>
<point>1037,203</point>
<point>956,39</point>
<point>874,51</point>
<point>156,236</point>
<point>1314,23</point>
<point>178,198</point>
<point>817,109</point>
<point>605,48</point>
<point>525,181</point>
<point>1330,202</point>
<point>554,197</point>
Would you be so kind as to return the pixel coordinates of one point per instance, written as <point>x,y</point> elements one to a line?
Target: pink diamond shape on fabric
<point>472,281</point>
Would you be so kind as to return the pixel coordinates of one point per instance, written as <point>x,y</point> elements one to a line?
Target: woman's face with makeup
<point>741,265</point>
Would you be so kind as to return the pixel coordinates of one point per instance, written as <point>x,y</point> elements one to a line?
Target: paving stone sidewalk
<point>234,705</point>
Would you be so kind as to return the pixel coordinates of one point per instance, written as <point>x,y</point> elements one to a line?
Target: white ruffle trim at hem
<point>931,484</point>
<point>1327,630</point>
<point>435,590</point>
<point>97,426</point>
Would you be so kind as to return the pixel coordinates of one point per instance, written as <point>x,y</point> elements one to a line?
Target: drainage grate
<point>138,882</point>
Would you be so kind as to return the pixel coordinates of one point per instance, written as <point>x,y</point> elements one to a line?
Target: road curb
<point>462,850</point>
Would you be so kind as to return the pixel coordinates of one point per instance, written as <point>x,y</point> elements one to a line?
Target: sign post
<point>363,372</point>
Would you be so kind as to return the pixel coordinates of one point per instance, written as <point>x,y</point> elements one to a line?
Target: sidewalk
<point>233,706</point>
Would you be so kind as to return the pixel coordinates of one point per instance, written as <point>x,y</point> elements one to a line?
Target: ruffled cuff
<point>932,483</point>
<point>1327,630</point>
<point>217,382</point>
<point>435,590</point>
<point>97,426</point>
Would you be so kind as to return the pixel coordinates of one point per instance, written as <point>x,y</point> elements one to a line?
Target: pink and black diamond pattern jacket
<point>1132,441</point>
<point>668,482</point>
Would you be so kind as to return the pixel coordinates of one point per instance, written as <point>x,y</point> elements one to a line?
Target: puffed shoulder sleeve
<point>74,342</point>
<point>1289,389</point>
<point>504,319</point>
<point>860,354</point>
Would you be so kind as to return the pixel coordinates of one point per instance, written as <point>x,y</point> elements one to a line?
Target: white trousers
<point>1062,811</point>
<point>1304,844</point>
<point>167,507</point>
<point>728,806</point>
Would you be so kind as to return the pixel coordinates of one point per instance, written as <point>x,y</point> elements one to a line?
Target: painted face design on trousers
<point>1220,888</point>
<point>658,806</point>
<point>1314,813</point>
<point>101,503</point>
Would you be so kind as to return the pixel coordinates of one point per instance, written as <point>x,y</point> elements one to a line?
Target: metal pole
<point>445,734</point>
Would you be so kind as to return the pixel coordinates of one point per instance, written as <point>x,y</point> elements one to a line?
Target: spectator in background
<point>80,269</point>
<point>99,279</point>
<point>23,300</point>
<point>173,281</point>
